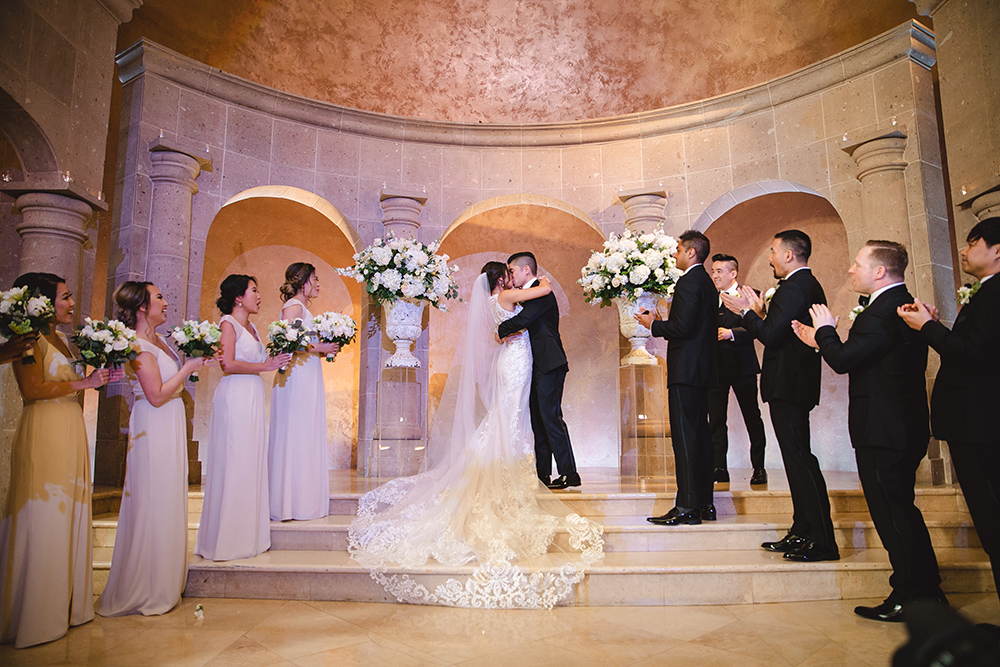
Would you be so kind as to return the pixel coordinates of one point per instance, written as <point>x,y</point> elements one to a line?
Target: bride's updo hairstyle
<point>235,285</point>
<point>296,276</point>
<point>131,296</point>
<point>495,272</point>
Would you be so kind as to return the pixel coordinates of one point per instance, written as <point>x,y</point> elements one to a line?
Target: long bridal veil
<point>478,508</point>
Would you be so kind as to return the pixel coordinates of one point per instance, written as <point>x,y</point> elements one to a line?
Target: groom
<point>548,375</point>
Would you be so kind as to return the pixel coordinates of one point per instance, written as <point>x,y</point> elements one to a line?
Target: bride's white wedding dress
<point>481,502</point>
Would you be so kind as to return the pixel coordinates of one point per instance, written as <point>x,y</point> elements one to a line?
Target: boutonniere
<point>857,310</point>
<point>769,294</point>
<point>966,292</point>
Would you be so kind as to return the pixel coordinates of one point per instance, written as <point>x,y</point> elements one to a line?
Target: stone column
<point>401,213</point>
<point>883,187</point>
<point>643,209</point>
<point>52,230</point>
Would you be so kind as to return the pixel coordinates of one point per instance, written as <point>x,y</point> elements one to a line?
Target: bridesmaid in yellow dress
<point>45,554</point>
<point>149,566</point>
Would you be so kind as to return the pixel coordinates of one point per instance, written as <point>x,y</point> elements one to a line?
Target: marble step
<point>651,578</point>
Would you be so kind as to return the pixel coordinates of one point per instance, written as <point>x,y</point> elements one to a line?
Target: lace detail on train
<point>485,510</point>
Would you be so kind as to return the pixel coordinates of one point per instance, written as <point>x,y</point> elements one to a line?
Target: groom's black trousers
<point>551,434</point>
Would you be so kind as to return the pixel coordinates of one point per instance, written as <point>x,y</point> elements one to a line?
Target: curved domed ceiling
<point>511,61</point>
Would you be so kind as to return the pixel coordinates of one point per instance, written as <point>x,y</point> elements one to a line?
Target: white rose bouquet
<point>404,269</point>
<point>22,313</point>
<point>197,339</point>
<point>285,336</point>
<point>334,328</point>
<point>105,344</point>
<point>629,265</point>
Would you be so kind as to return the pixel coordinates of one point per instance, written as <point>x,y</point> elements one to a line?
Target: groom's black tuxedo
<point>548,376</point>
<point>963,406</point>
<point>692,352</point>
<point>888,424</point>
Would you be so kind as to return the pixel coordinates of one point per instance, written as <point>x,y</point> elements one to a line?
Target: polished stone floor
<point>275,632</point>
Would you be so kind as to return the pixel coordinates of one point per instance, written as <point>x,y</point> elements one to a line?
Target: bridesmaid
<point>234,520</point>
<point>45,553</point>
<point>298,471</point>
<point>149,566</point>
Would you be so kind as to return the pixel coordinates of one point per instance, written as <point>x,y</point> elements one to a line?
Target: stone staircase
<point>713,563</point>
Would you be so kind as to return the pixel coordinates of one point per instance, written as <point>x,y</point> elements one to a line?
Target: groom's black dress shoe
<point>545,480</point>
<point>787,543</point>
<point>708,513</point>
<point>813,553</point>
<point>660,520</point>
<point>564,481</point>
<point>678,517</point>
<point>889,611</point>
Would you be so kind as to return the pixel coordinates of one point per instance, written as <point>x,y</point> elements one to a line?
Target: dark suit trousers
<point>551,434</point>
<point>810,502</point>
<point>692,444</point>
<point>718,408</point>
<point>887,478</point>
<point>977,466</point>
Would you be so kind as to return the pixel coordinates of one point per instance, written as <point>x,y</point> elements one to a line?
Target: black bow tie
<point>864,300</point>
<point>780,281</point>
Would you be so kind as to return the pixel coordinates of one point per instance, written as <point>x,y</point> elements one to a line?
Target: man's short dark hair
<point>987,230</point>
<point>796,241</point>
<point>523,259</point>
<point>698,241</point>
<point>721,257</point>
<point>890,255</point>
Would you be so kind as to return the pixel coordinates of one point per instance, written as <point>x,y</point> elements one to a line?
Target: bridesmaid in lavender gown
<point>298,467</point>
<point>234,520</point>
<point>149,566</point>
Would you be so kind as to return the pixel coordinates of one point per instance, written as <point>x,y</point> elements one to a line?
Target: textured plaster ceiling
<point>511,61</point>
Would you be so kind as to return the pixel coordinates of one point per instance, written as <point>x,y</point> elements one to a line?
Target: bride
<point>480,503</point>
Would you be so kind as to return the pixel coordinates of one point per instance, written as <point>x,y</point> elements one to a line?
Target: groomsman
<point>964,400</point>
<point>789,384</point>
<point>887,417</point>
<point>691,370</point>
<point>738,369</point>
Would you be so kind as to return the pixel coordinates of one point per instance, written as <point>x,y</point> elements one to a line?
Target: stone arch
<point>29,141</point>
<point>562,238</point>
<point>737,196</point>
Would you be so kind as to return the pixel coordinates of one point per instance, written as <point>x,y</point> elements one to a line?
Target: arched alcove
<point>562,238</point>
<point>744,227</point>
<point>260,232</point>
<point>35,153</point>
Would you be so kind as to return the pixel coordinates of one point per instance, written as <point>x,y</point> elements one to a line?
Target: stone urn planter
<point>636,333</point>
<point>403,325</point>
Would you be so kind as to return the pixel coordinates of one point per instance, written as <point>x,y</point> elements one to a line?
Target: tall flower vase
<point>636,333</point>
<point>402,324</point>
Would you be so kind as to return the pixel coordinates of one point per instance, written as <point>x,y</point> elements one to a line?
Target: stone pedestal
<point>397,445</point>
<point>643,209</point>
<point>883,186</point>
<point>646,448</point>
<point>401,212</point>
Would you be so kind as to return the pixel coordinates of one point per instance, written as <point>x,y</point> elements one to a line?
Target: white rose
<point>120,344</point>
<point>5,306</point>
<point>180,338</point>
<point>658,273</point>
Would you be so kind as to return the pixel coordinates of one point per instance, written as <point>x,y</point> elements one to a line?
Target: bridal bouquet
<point>197,339</point>
<point>334,328</point>
<point>629,265</point>
<point>396,269</point>
<point>105,344</point>
<point>285,336</point>
<point>23,313</point>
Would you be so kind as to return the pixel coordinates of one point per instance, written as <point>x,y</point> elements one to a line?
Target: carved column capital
<point>175,168</point>
<point>44,213</point>
<point>401,212</point>
<point>643,209</point>
<point>986,205</point>
<point>880,154</point>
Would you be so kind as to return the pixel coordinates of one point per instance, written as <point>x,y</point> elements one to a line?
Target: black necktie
<point>864,300</point>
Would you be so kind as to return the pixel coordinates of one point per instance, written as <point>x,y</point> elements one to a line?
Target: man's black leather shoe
<point>787,543</point>
<point>679,518</point>
<point>545,480</point>
<point>708,513</point>
<point>813,553</point>
<point>564,481</point>
<point>661,520</point>
<point>891,612</point>
<point>721,475</point>
<point>759,477</point>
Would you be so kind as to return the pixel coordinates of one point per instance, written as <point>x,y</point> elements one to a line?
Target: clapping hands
<point>821,317</point>
<point>917,314</point>
<point>747,299</point>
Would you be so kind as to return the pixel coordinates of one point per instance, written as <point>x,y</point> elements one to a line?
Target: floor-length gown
<point>234,518</point>
<point>486,506</point>
<point>298,468</point>
<point>45,547</point>
<point>149,565</point>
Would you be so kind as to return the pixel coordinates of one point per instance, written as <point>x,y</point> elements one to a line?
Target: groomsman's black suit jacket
<point>964,401</point>
<point>541,318</point>
<point>791,369</point>
<point>737,357</point>
<point>886,361</point>
<point>691,331</point>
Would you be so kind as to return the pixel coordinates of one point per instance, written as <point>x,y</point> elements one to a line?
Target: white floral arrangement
<point>334,327</point>
<point>966,292</point>
<point>857,310</point>
<point>629,265</point>
<point>197,339</point>
<point>23,313</point>
<point>105,343</point>
<point>285,336</point>
<point>395,269</point>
